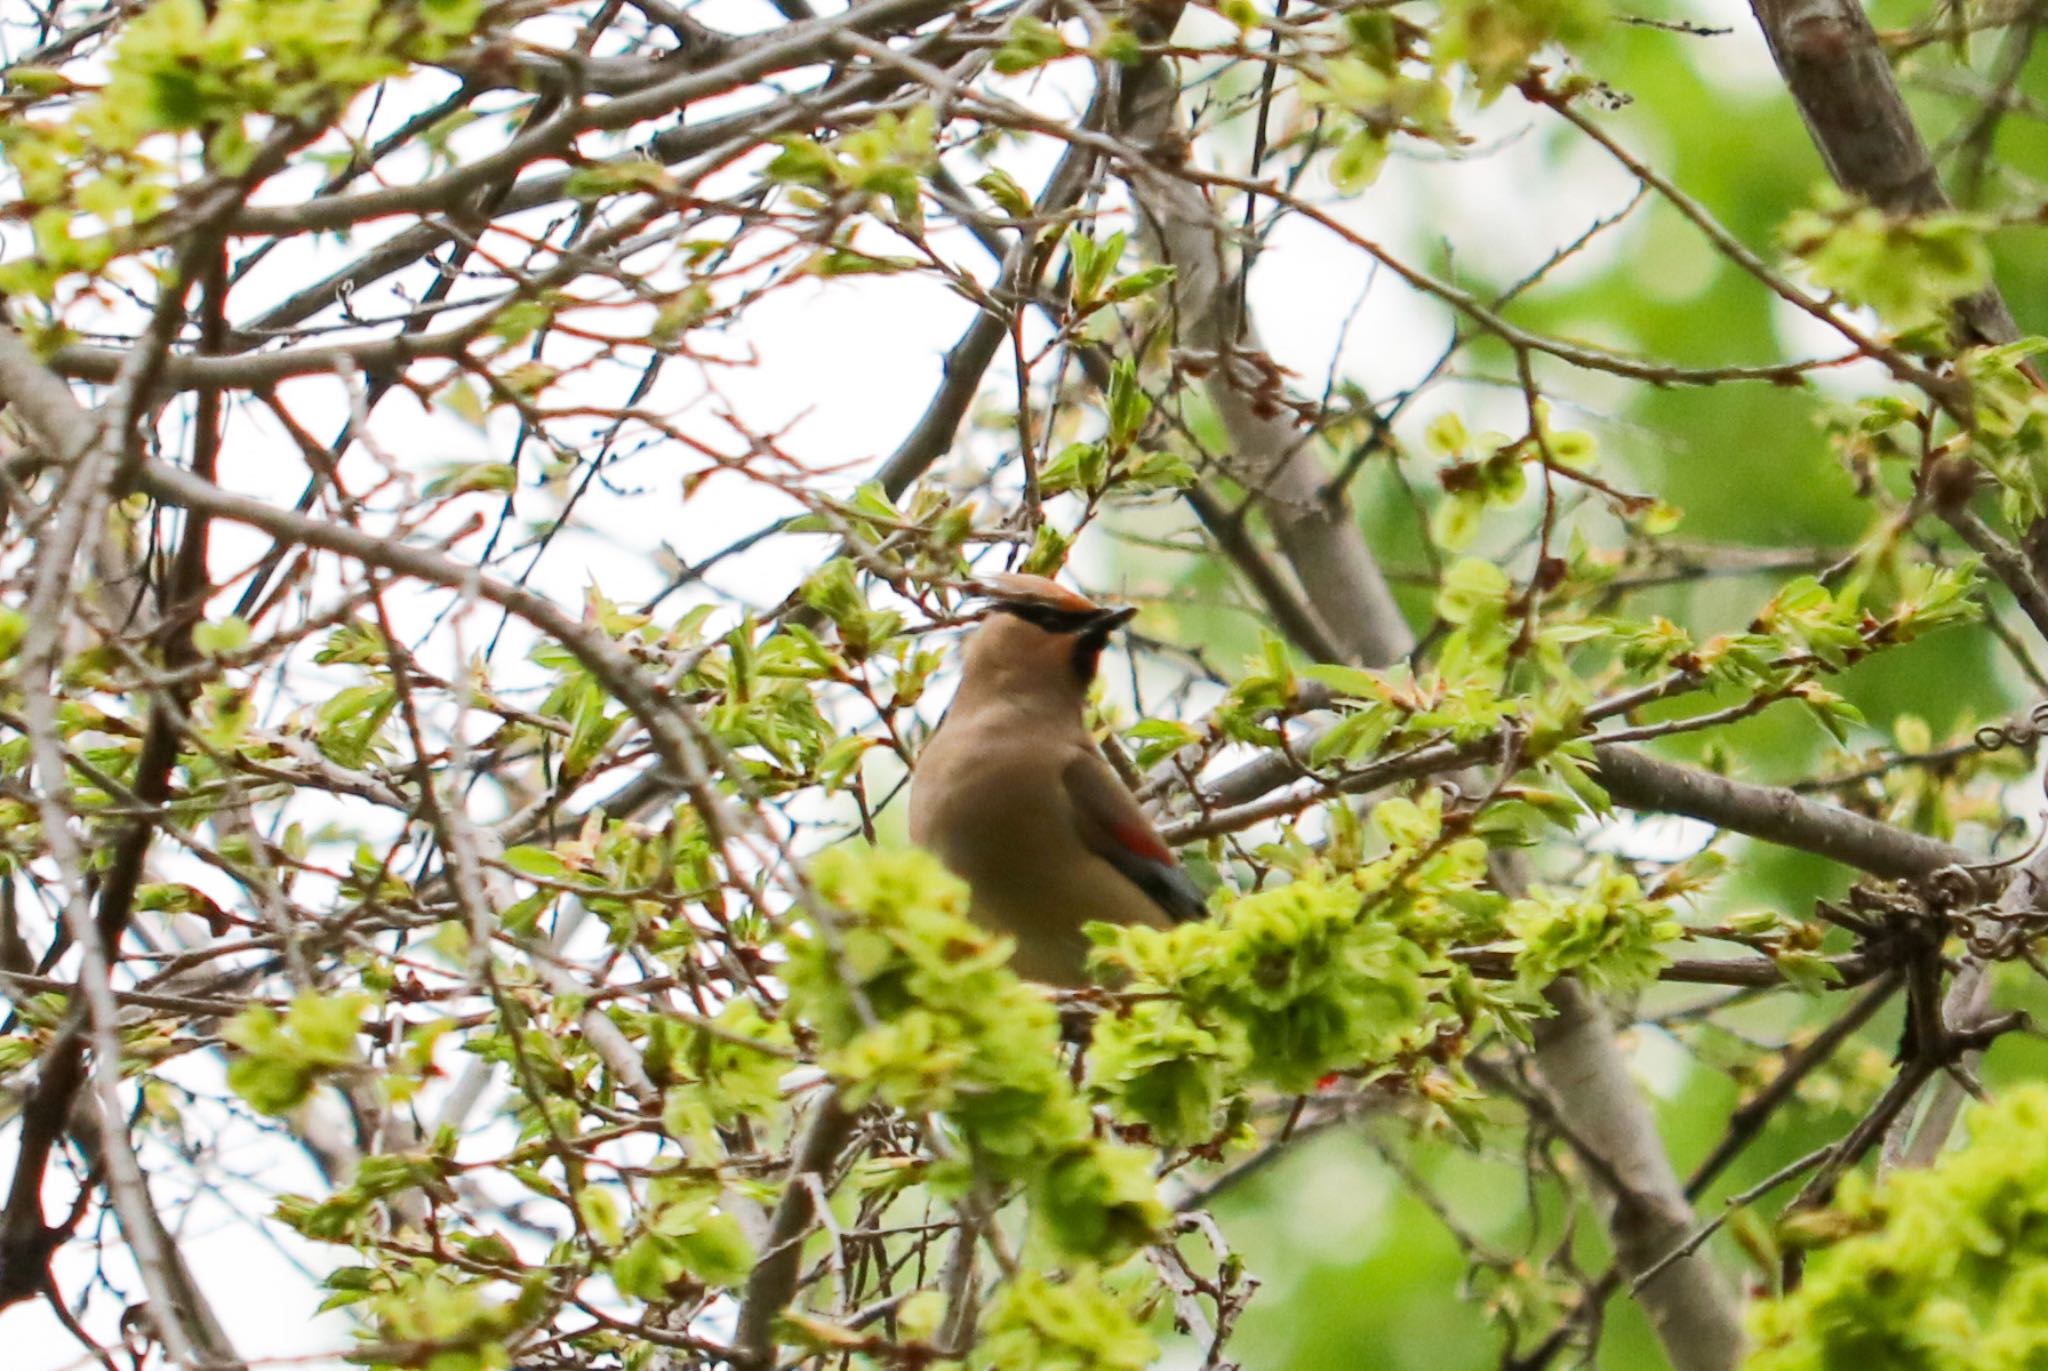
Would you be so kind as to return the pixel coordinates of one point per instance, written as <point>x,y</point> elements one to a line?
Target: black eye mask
<point>1090,628</point>
<point>1051,618</point>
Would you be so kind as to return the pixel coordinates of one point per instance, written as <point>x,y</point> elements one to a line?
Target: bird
<point>1013,796</point>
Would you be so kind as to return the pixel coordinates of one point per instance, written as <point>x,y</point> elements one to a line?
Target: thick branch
<point>1312,520</point>
<point>773,1283</point>
<point>1774,814</point>
<point>1964,1009</point>
<point>1633,778</point>
<point>1594,1095</point>
<point>1838,75</point>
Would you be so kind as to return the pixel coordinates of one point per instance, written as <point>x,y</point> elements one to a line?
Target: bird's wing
<point>1114,828</point>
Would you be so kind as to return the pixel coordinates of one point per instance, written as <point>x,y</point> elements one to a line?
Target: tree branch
<point>1272,457</point>
<point>1773,814</point>
<point>1842,82</point>
<point>772,1284</point>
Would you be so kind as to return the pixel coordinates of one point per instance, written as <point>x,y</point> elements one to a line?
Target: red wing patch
<point>1137,837</point>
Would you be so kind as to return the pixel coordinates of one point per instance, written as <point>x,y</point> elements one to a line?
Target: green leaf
<point>1936,1267</point>
<point>464,478</point>
<point>537,861</point>
<point>460,399</point>
<point>279,1059</point>
<point>601,179</point>
<point>219,638</point>
<point>1029,43</point>
<point>1356,163</point>
<point>1472,587</point>
<point>1000,187</point>
<point>1141,282</point>
<point>1807,972</point>
<point>1129,405</point>
<point>717,1251</point>
<point>600,1211</point>
<point>1497,39</point>
<point>1906,267</point>
<point>1446,435</point>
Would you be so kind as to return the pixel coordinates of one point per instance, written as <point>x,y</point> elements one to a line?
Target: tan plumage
<point>1013,796</point>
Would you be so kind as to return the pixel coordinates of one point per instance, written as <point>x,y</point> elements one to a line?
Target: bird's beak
<point>1110,620</point>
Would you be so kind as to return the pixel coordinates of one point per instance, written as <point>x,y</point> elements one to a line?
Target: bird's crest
<point>1034,592</point>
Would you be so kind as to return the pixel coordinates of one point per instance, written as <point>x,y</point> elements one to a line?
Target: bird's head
<point>1040,635</point>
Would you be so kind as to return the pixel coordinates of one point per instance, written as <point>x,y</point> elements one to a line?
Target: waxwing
<point>1012,794</point>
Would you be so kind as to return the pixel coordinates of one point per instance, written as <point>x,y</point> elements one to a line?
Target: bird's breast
<point>999,817</point>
